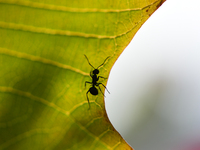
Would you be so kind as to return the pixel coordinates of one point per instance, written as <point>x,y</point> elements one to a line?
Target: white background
<point>155,84</point>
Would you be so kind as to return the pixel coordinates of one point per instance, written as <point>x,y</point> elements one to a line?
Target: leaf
<point>43,70</point>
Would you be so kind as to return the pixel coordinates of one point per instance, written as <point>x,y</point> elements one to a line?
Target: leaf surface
<point>43,70</point>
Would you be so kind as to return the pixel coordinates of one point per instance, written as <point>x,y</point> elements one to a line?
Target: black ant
<point>93,74</point>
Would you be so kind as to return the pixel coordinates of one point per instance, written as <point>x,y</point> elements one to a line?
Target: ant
<point>93,74</point>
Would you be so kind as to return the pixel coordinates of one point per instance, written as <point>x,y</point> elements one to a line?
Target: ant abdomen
<point>93,91</point>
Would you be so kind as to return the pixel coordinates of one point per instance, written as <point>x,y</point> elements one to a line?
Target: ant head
<point>95,71</point>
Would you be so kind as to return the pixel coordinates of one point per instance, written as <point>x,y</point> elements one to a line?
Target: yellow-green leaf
<point>43,70</point>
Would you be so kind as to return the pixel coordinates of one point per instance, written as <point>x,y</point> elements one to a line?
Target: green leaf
<point>43,70</point>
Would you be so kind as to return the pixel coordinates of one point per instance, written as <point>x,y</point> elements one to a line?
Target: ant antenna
<point>88,61</point>
<point>103,62</point>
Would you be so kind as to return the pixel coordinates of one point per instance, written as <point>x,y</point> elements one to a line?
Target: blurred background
<point>155,84</point>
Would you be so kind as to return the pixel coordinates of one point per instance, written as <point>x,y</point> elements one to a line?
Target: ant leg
<point>88,99</point>
<point>101,77</point>
<point>87,82</point>
<point>104,87</point>
<point>101,90</point>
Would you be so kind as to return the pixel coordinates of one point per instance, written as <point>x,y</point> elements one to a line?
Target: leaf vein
<point>25,135</point>
<point>69,9</point>
<point>39,59</point>
<point>50,104</point>
<point>35,98</point>
<point>34,29</point>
